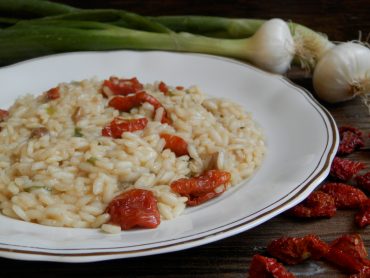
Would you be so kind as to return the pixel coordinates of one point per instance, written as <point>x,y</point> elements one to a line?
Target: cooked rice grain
<point>67,176</point>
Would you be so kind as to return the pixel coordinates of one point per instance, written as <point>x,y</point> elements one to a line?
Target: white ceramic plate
<point>301,142</point>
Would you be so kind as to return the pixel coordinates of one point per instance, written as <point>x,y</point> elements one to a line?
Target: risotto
<point>67,153</point>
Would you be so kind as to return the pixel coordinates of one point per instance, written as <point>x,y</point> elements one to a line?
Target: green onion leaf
<point>92,160</point>
<point>29,189</point>
<point>78,132</point>
<point>50,110</point>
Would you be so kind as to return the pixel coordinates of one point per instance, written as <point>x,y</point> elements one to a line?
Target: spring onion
<point>50,110</point>
<point>114,17</point>
<point>7,21</point>
<point>33,8</point>
<point>78,132</point>
<point>92,160</point>
<point>272,46</point>
<point>309,45</point>
<point>44,10</point>
<point>35,38</point>
<point>211,26</point>
<point>344,73</point>
<point>37,187</point>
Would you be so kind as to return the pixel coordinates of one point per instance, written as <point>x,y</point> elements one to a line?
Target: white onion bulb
<point>272,46</point>
<point>343,73</point>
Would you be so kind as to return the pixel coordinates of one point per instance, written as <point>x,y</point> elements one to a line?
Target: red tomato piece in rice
<point>134,208</point>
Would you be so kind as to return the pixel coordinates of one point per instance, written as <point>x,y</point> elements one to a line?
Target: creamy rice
<point>67,176</point>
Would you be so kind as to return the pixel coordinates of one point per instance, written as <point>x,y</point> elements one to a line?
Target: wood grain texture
<point>340,20</point>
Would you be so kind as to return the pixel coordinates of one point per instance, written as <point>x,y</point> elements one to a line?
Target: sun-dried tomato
<point>363,181</point>
<point>203,187</point>
<point>163,88</point>
<point>38,132</point>
<point>144,97</point>
<point>126,103</point>
<point>118,126</point>
<point>180,88</point>
<point>175,144</point>
<point>345,169</point>
<point>3,115</point>
<point>345,196</point>
<point>317,204</point>
<point>350,140</point>
<point>348,253</point>
<point>294,250</point>
<point>364,273</point>
<point>264,267</point>
<point>52,94</point>
<point>118,86</point>
<point>134,208</point>
<point>362,217</point>
<point>165,119</point>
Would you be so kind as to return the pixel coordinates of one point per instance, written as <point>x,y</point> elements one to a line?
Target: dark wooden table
<point>340,20</point>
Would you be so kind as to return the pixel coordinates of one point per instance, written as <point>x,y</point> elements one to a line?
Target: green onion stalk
<point>309,45</point>
<point>36,10</point>
<point>25,9</point>
<point>25,40</point>
<point>213,35</point>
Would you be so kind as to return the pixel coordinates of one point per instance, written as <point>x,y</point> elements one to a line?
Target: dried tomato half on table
<point>349,253</point>
<point>350,140</point>
<point>363,181</point>
<point>203,187</point>
<point>294,250</point>
<point>345,169</point>
<point>345,196</point>
<point>364,273</point>
<point>134,208</point>
<point>264,267</point>
<point>362,217</point>
<point>317,204</point>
